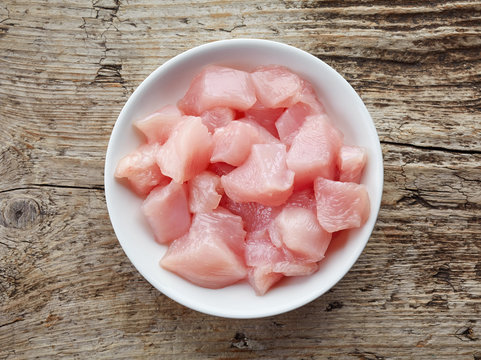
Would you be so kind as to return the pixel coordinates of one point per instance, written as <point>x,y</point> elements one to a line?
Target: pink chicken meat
<point>205,192</point>
<point>351,162</point>
<point>218,86</point>
<point>141,170</point>
<point>263,177</point>
<point>341,205</point>
<point>158,126</point>
<point>276,86</point>
<point>264,116</point>
<point>167,212</point>
<point>187,151</point>
<point>246,178</point>
<point>211,254</point>
<point>232,143</point>
<point>298,230</point>
<point>314,150</point>
<point>217,117</point>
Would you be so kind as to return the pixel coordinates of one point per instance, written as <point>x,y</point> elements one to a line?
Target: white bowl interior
<point>168,84</point>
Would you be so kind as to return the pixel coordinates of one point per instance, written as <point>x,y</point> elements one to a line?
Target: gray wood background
<point>67,290</point>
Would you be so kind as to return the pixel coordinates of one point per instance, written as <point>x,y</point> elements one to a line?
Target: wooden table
<point>67,290</point>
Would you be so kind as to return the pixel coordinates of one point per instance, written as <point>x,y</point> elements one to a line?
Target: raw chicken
<point>141,170</point>
<point>262,278</point>
<point>269,264</point>
<point>256,216</point>
<point>232,143</point>
<point>240,178</point>
<point>314,150</point>
<point>276,86</point>
<point>158,126</point>
<point>303,198</point>
<point>167,212</point>
<point>187,151</point>
<point>220,168</point>
<point>289,268</point>
<point>297,229</point>
<point>217,117</point>
<point>309,98</point>
<point>290,121</point>
<point>266,117</point>
<point>260,251</point>
<point>205,192</point>
<point>263,177</point>
<point>351,162</point>
<point>260,256</point>
<point>341,205</point>
<point>210,255</point>
<point>218,86</point>
<point>264,136</point>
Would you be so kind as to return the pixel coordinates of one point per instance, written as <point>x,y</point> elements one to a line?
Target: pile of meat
<point>245,178</point>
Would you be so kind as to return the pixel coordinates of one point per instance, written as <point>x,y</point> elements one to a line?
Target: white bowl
<point>166,85</point>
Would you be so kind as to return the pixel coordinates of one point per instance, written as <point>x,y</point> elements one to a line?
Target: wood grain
<point>67,290</point>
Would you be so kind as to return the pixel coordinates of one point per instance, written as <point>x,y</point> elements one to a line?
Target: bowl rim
<point>375,207</point>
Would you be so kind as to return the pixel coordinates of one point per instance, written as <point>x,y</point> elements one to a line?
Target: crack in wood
<point>433,148</point>
<point>12,322</point>
<point>36,186</point>
<point>366,355</point>
<point>466,334</point>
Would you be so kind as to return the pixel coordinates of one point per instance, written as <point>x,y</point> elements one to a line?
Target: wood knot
<point>19,213</point>
<point>242,342</point>
<point>466,334</point>
<point>334,305</point>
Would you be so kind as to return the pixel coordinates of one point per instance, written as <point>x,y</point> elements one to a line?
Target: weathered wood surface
<point>68,290</point>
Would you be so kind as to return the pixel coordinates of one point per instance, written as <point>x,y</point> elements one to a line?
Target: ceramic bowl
<point>166,85</point>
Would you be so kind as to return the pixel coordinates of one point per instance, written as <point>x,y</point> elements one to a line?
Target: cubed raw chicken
<point>232,143</point>
<point>141,170</point>
<point>205,192</point>
<point>298,230</point>
<point>220,168</point>
<point>265,137</point>
<point>217,117</point>
<point>276,86</point>
<point>263,177</point>
<point>303,198</point>
<point>260,256</point>
<point>266,117</point>
<point>351,162</point>
<point>167,212</point>
<point>210,255</point>
<point>158,126</point>
<point>256,216</point>
<point>314,150</point>
<point>262,278</point>
<point>269,264</point>
<point>341,205</point>
<point>260,251</point>
<point>218,86</point>
<point>290,121</point>
<point>253,156</point>
<point>187,151</point>
<point>309,98</point>
<point>289,268</point>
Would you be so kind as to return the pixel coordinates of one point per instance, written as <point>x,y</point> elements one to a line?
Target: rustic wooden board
<point>66,287</point>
